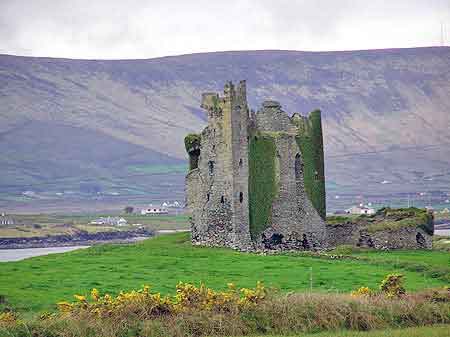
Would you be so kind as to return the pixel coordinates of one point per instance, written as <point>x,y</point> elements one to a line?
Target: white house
<point>360,210</point>
<point>111,221</point>
<point>6,220</point>
<point>154,210</point>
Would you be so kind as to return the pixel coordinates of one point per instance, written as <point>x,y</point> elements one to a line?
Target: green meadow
<point>426,331</point>
<point>36,284</point>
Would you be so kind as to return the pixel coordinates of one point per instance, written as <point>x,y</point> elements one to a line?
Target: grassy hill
<point>80,127</point>
<point>38,283</point>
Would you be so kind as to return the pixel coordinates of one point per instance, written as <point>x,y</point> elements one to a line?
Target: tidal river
<point>20,254</point>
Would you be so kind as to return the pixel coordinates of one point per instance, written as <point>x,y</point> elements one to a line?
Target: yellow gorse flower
<point>64,306</point>
<point>95,295</point>
<point>187,297</point>
<point>80,298</point>
<point>363,291</point>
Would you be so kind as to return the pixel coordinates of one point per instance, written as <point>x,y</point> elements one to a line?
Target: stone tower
<point>256,181</point>
<point>217,183</point>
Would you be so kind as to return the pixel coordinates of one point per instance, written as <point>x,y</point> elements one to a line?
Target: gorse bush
<point>7,318</point>
<point>392,285</point>
<point>145,304</point>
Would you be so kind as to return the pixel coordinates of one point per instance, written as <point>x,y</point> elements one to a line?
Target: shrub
<point>7,318</point>
<point>145,304</point>
<point>392,285</point>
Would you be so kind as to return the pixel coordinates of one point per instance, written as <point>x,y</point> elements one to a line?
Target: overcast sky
<point>115,29</point>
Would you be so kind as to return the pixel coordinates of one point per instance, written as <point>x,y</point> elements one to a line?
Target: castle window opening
<point>241,197</point>
<point>207,197</point>
<point>420,240</point>
<point>240,162</point>
<point>222,199</point>
<point>211,167</point>
<point>193,159</point>
<point>305,242</point>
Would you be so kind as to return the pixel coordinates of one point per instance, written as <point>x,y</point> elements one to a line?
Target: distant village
<point>132,216</point>
<point>166,208</point>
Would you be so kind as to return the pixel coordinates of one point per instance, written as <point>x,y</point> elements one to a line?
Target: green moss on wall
<point>192,145</point>
<point>192,142</point>
<point>310,142</point>
<point>403,217</point>
<point>262,182</point>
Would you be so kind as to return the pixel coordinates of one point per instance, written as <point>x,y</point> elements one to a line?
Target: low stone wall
<point>405,238</point>
<point>218,232</point>
<point>346,233</point>
<point>356,235</point>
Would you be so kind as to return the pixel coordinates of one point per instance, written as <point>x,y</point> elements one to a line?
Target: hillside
<point>86,127</point>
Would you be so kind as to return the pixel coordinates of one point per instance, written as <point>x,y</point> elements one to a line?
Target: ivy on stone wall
<point>192,142</point>
<point>262,182</point>
<point>192,145</point>
<point>310,142</point>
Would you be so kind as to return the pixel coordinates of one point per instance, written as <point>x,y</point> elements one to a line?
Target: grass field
<point>38,283</point>
<point>427,331</point>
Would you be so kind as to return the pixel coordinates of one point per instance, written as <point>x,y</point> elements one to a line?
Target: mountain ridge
<point>371,100</point>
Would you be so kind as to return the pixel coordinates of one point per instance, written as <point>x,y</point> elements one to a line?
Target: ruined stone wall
<point>294,222</point>
<point>219,213</point>
<point>342,234</point>
<point>240,139</point>
<point>270,117</point>
<point>402,238</point>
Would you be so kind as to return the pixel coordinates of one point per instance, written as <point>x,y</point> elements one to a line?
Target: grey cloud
<point>140,29</point>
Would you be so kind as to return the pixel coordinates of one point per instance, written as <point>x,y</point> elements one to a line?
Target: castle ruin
<point>256,180</point>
